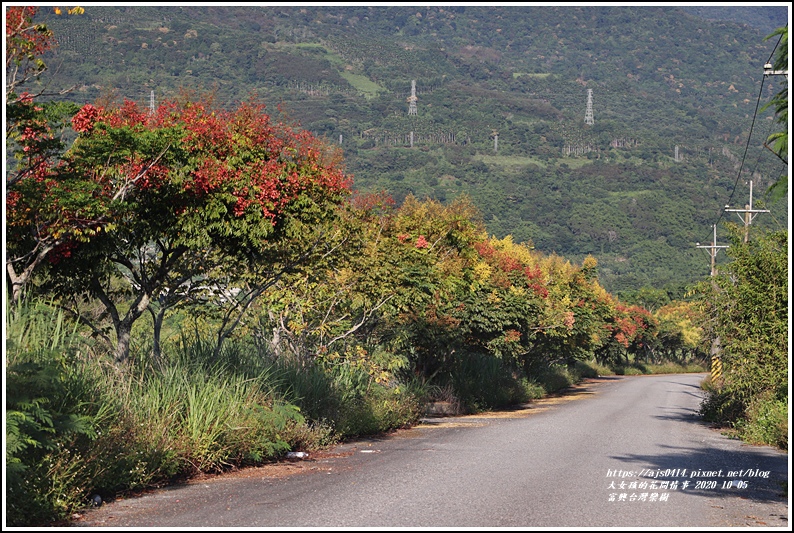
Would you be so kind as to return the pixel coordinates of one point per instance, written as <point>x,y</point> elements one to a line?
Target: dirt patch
<point>278,469</point>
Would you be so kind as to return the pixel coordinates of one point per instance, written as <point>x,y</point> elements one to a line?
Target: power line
<point>746,148</point>
<point>748,210</point>
<point>749,137</point>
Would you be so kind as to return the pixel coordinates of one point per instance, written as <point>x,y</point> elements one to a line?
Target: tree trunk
<point>157,319</point>
<point>123,337</point>
<point>124,329</point>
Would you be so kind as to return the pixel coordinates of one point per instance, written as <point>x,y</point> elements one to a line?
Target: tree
<point>188,199</point>
<point>749,299</point>
<point>679,334</point>
<point>337,303</point>
<point>35,223</point>
<point>779,140</point>
<point>33,133</point>
<point>25,43</point>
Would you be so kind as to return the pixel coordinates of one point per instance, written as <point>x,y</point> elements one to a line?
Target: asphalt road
<point>617,452</point>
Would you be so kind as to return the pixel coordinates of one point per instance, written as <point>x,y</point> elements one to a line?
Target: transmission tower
<point>412,99</point>
<point>588,116</point>
<point>151,103</point>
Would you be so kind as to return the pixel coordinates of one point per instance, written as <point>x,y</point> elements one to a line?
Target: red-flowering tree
<point>187,200</point>
<point>26,41</point>
<point>632,330</point>
<point>32,135</point>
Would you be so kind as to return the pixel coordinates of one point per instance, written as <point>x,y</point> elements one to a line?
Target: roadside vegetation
<point>747,305</point>
<point>192,290</point>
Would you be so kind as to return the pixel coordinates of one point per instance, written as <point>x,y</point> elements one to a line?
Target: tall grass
<point>481,383</point>
<point>48,406</point>
<point>766,422</point>
<point>80,425</point>
<point>206,419</point>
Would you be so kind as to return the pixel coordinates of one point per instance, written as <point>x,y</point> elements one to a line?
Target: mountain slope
<point>501,101</point>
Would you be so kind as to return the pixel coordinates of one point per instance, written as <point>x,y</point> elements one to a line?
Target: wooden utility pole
<point>749,214</point>
<point>713,249</point>
<point>716,348</point>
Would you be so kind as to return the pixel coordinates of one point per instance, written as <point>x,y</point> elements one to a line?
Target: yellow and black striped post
<point>716,368</point>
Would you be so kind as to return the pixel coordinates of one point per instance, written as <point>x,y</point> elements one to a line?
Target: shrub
<point>48,406</point>
<point>378,410</point>
<point>719,405</point>
<point>766,422</point>
<point>556,378</point>
<point>483,382</point>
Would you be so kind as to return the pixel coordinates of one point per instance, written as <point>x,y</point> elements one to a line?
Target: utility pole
<point>769,72</point>
<point>716,348</point>
<point>713,249</point>
<point>749,213</point>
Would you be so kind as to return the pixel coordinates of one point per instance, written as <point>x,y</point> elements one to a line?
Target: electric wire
<point>749,137</point>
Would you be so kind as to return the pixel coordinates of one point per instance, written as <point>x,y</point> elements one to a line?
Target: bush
<point>675,368</point>
<point>378,410</point>
<point>556,378</point>
<point>766,423</point>
<point>719,406</point>
<point>585,370</point>
<point>483,382</point>
<point>49,405</point>
<point>597,369</point>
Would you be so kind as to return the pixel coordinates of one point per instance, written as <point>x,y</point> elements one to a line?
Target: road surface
<point>616,452</point>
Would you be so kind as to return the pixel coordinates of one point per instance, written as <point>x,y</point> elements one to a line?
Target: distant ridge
<point>767,18</point>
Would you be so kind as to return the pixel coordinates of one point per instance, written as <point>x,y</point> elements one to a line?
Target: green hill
<point>501,102</point>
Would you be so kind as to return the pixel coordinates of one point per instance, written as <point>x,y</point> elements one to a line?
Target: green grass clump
<point>482,382</point>
<point>676,368</point>
<point>556,378</point>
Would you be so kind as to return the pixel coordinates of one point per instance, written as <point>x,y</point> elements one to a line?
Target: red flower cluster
<point>85,119</point>
<point>23,38</point>
<point>539,289</point>
<point>484,249</point>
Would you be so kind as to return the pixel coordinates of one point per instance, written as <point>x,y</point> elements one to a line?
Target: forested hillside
<point>500,112</point>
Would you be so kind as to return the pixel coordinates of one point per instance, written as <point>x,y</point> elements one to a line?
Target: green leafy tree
<point>749,301</point>
<point>779,102</point>
<point>680,336</point>
<point>335,304</point>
